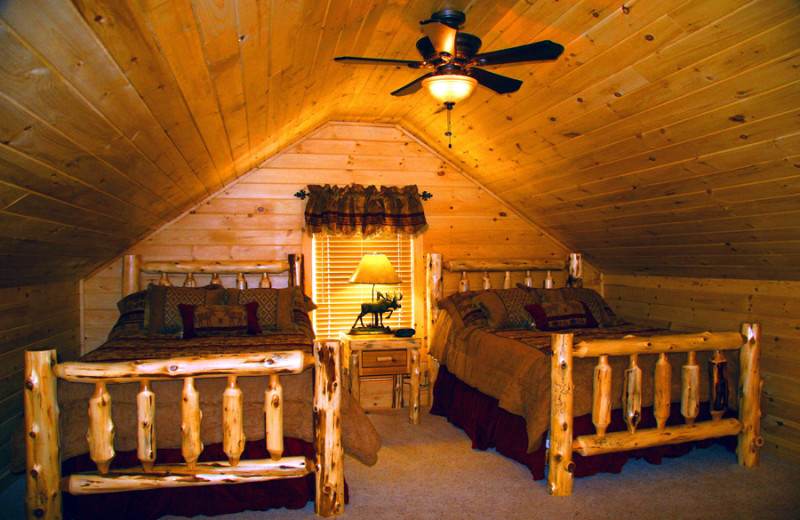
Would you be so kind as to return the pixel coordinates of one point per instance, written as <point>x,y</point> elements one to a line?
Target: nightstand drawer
<point>383,362</point>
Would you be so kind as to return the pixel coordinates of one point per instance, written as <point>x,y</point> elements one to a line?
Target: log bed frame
<point>44,481</point>
<point>562,444</point>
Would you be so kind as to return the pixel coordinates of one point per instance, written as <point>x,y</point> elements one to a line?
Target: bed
<point>231,379</point>
<point>520,368</point>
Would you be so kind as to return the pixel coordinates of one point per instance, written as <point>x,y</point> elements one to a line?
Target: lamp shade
<point>450,88</point>
<point>375,269</point>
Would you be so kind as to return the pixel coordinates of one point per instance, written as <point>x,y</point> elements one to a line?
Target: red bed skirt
<point>489,426</point>
<point>293,493</point>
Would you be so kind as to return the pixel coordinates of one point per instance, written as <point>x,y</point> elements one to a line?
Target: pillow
<point>561,315</point>
<point>461,310</point>
<point>130,323</point>
<point>219,320</point>
<point>595,303</point>
<point>162,315</point>
<point>276,307</point>
<point>505,308</point>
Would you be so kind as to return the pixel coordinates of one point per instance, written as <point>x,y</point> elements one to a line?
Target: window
<point>339,302</point>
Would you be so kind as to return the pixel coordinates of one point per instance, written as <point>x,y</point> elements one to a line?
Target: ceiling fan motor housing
<point>449,17</point>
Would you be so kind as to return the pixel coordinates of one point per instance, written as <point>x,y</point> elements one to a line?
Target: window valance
<point>365,210</point>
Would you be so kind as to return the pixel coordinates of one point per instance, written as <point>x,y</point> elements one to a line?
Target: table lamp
<point>375,269</point>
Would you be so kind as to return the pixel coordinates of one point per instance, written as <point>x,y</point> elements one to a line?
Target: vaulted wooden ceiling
<point>665,140</point>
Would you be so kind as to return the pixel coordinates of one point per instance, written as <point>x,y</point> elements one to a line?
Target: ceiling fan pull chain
<point>449,134</point>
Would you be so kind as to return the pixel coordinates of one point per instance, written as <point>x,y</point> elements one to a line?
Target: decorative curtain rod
<point>302,194</point>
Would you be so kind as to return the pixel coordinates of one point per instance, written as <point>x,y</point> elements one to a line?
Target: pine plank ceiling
<point>665,140</point>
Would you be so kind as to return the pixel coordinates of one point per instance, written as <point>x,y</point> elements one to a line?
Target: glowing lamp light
<point>450,88</point>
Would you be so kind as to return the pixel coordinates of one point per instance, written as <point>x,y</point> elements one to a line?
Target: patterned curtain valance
<point>365,210</point>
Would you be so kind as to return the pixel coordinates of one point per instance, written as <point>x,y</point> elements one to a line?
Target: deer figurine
<point>384,303</point>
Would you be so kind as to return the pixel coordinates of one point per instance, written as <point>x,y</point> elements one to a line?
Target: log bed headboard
<point>133,266</point>
<point>435,266</point>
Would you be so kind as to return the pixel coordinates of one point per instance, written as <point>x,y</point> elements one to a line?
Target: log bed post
<point>328,450</point>
<point>748,449</point>
<point>560,473</point>
<point>131,266</point>
<point>42,441</point>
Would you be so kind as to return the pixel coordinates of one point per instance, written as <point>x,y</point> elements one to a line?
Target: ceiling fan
<point>454,57</point>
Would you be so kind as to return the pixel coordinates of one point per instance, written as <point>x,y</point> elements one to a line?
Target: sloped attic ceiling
<point>665,140</point>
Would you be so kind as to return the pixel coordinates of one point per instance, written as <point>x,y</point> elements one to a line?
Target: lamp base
<point>355,331</point>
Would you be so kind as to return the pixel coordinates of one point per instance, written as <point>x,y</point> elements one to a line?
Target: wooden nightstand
<point>383,355</point>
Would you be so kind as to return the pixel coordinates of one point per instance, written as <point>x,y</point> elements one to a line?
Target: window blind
<point>339,302</point>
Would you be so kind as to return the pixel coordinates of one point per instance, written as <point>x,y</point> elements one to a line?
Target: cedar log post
<point>560,474</point>
<point>749,446</point>
<point>131,265</point>
<point>328,450</point>
<point>42,443</point>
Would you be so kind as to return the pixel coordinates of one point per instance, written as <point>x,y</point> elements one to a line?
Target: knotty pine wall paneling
<point>695,304</point>
<point>33,317</point>
<point>258,217</point>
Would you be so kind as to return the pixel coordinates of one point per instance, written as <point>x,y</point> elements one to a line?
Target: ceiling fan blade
<point>412,87</point>
<point>443,37</point>
<point>379,61</point>
<point>496,82</point>
<point>539,51</point>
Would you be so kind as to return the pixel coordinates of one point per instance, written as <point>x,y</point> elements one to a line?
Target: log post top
<point>218,365</point>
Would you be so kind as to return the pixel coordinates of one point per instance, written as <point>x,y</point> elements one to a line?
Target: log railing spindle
<point>507,280</point>
<point>101,430</point>
<point>690,388</point>
<point>265,282</point>
<point>241,282</point>
<point>145,426</point>
<point>190,281</point>
<point>232,421</point>
<point>718,382</point>
<point>215,279</point>
<point>487,282</point>
<point>463,284</point>
<point>191,415</point>
<point>164,280</point>
<point>601,396</point>
<point>273,410</point>
<point>632,394</point>
<point>661,392</point>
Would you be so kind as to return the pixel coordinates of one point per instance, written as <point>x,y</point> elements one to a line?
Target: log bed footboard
<point>746,426</point>
<point>44,481</point>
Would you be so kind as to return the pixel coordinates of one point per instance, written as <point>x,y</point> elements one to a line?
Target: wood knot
<point>173,368</point>
<point>29,384</point>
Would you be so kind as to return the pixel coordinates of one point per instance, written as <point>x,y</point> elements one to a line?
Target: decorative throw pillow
<point>461,310</point>
<point>162,315</point>
<point>276,307</point>
<point>130,323</point>
<point>219,320</point>
<point>597,306</point>
<point>505,308</point>
<point>561,315</point>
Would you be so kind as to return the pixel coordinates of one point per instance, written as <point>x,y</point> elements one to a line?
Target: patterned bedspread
<point>513,366</point>
<point>150,348</point>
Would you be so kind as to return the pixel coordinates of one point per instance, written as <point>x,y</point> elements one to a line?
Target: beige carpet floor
<point>429,471</point>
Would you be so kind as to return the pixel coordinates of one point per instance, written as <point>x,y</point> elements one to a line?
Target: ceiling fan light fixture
<point>450,88</point>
